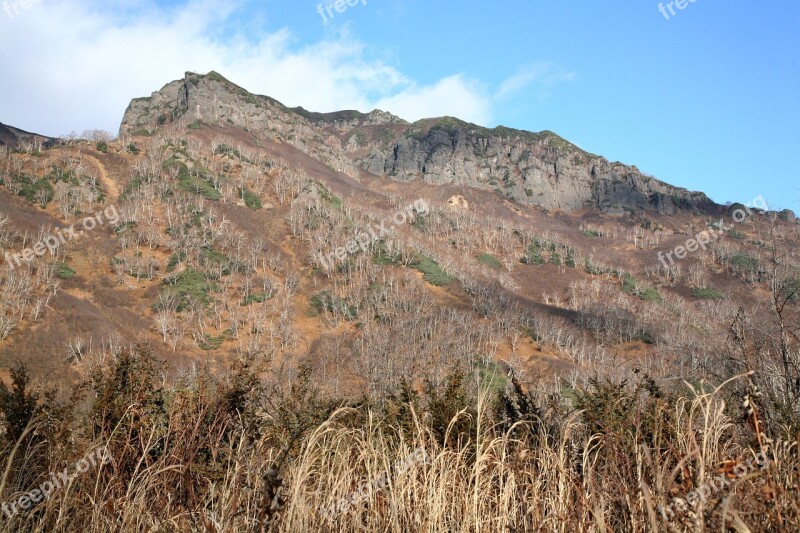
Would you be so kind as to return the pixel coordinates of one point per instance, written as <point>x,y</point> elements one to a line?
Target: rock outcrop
<point>539,169</point>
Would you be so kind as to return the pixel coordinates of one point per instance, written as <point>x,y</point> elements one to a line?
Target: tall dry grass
<point>199,457</point>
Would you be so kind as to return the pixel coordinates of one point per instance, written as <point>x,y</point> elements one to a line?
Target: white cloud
<point>540,76</point>
<point>75,65</point>
<point>452,96</point>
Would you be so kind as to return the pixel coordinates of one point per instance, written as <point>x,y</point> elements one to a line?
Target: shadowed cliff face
<point>532,168</point>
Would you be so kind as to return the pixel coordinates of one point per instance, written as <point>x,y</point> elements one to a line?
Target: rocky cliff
<point>532,168</point>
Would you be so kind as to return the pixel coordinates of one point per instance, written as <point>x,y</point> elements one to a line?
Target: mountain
<point>538,169</point>
<point>17,138</point>
<point>265,308</point>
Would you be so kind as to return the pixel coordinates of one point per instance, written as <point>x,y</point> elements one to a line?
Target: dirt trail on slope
<point>108,184</point>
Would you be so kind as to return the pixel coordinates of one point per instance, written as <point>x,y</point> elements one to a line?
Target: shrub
<point>533,256</point>
<point>174,260</point>
<point>708,294</point>
<point>488,259</point>
<point>18,406</point>
<point>383,257</point>
<point>325,301</point>
<point>102,146</point>
<point>254,298</point>
<point>650,294</point>
<point>64,271</point>
<point>191,285</point>
<point>197,182</point>
<point>432,272</point>
<point>744,262</point>
<point>251,200</point>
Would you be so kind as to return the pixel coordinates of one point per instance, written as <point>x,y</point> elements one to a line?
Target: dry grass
<point>194,463</point>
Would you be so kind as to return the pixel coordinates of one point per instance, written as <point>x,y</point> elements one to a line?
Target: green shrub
<point>197,182</point>
<point>431,271</point>
<point>488,259</point>
<point>174,260</point>
<point>209,343</point>
<point>40,191</point>
<point>744,262</point>
<point>629,284</point>
<point>325,301</point>
<point>18,406</point>
<point>254,298</point>
<point>63,271</point>
<point>533,256</point>
<point>708,294</point>
<point>328,196</point>
<point>251,200</point>
<point>383,257</point>
<point>191,285</point>
<point>650,294</point>
<point>102,146</point>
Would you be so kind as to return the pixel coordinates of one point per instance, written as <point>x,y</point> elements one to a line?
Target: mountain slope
<point>539,169</point>
<point>17,138</point>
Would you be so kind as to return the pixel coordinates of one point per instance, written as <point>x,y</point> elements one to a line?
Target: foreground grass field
<point>241,453</point>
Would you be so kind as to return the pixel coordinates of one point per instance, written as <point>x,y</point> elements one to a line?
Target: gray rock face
<point>532,168</point>
<point>536,169</point>
<point>211,99</point>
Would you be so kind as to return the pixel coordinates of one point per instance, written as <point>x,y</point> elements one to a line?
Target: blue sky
<point>708,99</point>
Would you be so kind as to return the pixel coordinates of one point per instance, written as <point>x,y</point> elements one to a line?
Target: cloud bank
<point>71,65</point>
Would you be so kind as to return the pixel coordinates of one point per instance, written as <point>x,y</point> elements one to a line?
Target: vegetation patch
<point>251,199</point>
<point>383,257</point>
<point>431,271</point>
<point>196,182</point>
<point>254,298</point>
<point>209,343</point>
<point>492,377</point>
<point>64,271</point>
<point>190,285</point>
<point>708,294</point>
<point>488,259</point>
<point>327,302</point>
<point>328,196</point>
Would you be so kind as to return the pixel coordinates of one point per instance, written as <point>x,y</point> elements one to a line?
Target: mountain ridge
<point>532,168</point>
<point>15,138</point>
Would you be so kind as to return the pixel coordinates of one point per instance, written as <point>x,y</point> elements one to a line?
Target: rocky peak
<point>532,168</point>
